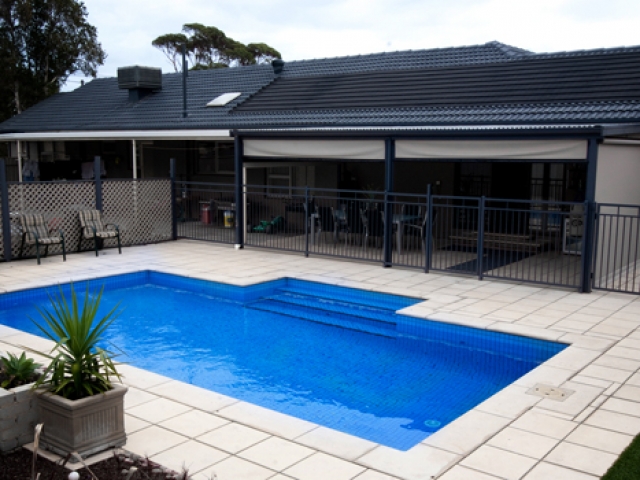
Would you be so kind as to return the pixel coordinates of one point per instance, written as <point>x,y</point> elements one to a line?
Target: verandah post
<point>590,217</point>
<point>389,154</point>
<point>6,220</point>
<point>307,221</point>
<point>238,152</point>
<point>427,231</point>
<point>97,168</point>
<point>480,246</point>
<point>174,220</point>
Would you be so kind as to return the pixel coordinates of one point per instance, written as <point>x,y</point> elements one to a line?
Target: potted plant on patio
<point>18,412</point>
<point>81,409</point>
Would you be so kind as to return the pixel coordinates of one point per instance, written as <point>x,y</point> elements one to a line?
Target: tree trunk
<point>16,93</point>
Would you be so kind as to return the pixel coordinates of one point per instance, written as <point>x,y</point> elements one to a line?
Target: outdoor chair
<point>354,223</point>
<point>35,232</point>
<point>421,227</point>
<point>93,229</point>
<point>340,223</point>
<point>326,222</point>
<point>373,226</point>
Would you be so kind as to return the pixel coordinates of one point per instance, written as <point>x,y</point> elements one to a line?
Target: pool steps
<point>341,313</point>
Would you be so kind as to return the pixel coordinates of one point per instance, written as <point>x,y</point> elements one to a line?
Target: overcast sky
<point>304,30</point>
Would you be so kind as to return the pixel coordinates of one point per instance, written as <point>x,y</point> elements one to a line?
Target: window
<point>216,158</point>
<point>279,177</point>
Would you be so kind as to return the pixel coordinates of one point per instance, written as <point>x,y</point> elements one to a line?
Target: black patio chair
<point>373,226</point>
<point>326,222</point>
<point>353,221</point>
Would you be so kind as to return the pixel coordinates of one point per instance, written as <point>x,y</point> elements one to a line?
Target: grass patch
<point>628,464</point>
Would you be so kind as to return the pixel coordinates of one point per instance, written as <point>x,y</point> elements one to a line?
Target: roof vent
<point>222,100</point>
<point>140,81</point>
<point>277,65</point>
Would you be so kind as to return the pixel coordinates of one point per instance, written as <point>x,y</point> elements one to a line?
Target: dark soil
<point>4,376</point>
<point>17,466</point>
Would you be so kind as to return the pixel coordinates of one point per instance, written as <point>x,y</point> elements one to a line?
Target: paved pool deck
<point>512,435</point>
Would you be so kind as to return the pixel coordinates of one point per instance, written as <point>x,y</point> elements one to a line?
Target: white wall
<point>618,248</point>
<point>618,177</point>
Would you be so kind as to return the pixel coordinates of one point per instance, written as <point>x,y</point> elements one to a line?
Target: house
<point>487,120</point>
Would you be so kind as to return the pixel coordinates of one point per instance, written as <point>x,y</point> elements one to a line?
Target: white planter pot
<point>87,426</point>
<point>18,417</point>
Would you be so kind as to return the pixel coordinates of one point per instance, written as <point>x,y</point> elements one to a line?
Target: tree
<point>42,42</point>
<point>209,47</point>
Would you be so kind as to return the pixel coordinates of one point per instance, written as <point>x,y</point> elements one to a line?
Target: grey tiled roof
<point>100,105</point>
<point>491,52</point>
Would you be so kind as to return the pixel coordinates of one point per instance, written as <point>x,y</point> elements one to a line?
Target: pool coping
<point>452,445</point>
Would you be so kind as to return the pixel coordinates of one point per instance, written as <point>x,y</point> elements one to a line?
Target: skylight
<point>222,100</point>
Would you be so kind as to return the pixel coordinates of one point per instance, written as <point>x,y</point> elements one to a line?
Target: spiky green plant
<point>17,370</point>
<point>79,367</point>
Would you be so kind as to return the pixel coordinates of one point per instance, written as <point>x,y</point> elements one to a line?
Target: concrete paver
<point>511,435</point>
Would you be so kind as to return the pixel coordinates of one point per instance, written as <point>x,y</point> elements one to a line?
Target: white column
<point>19,145</point>
<point>135,158</point>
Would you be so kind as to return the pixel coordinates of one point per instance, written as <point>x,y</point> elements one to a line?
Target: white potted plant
<point>18,412</point>
<point>81,409</point>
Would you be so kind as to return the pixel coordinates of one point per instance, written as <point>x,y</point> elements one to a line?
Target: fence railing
<point>523,240</point>
<point>205,211</point>
<point>530,241</point>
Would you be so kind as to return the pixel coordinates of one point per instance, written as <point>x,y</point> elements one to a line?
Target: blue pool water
<point>334,356</point>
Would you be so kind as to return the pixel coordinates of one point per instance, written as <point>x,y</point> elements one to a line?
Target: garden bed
<point>17,466</point>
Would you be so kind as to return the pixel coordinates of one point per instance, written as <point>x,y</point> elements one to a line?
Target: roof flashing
<point>222,100</point>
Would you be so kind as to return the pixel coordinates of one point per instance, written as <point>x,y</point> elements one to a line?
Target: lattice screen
<point>58,202</point>
<point>141,208</point>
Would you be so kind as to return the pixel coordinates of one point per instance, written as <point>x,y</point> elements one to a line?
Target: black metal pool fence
<point>533,241</point>
<point>567,244</point>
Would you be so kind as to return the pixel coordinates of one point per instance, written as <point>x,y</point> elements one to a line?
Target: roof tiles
<point>100,105</point>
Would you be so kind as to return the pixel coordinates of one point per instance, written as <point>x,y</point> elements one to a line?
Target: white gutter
<point>120,135</point>
<point>621,141</point>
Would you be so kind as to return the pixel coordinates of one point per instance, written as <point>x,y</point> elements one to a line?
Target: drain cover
<point>552,393</point>
<point>432,423</point>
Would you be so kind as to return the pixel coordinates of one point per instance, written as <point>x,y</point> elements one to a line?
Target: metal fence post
<point>387,232</point>
<point>589,233</point>
<point>174,220</point>
<point>389,155</point>
<point>306,221</point>
<point>590,213</point>
<point>97,168</point>
<point>6,220</point>
<point>428,230</point>
<point>480,247</point>
<point>239,197</point>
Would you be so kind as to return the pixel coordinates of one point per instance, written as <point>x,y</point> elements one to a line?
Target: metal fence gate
<point>616,259</point>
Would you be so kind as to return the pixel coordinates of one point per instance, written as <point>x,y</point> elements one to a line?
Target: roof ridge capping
<point>593,51</point>
<point>504,48</point>
<point>510,50</point>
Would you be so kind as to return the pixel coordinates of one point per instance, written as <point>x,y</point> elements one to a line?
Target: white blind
<point>338,149</point>
<point>493,149</point>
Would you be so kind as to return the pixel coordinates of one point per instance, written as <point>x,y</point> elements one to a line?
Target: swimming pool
<point>335,356</point>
